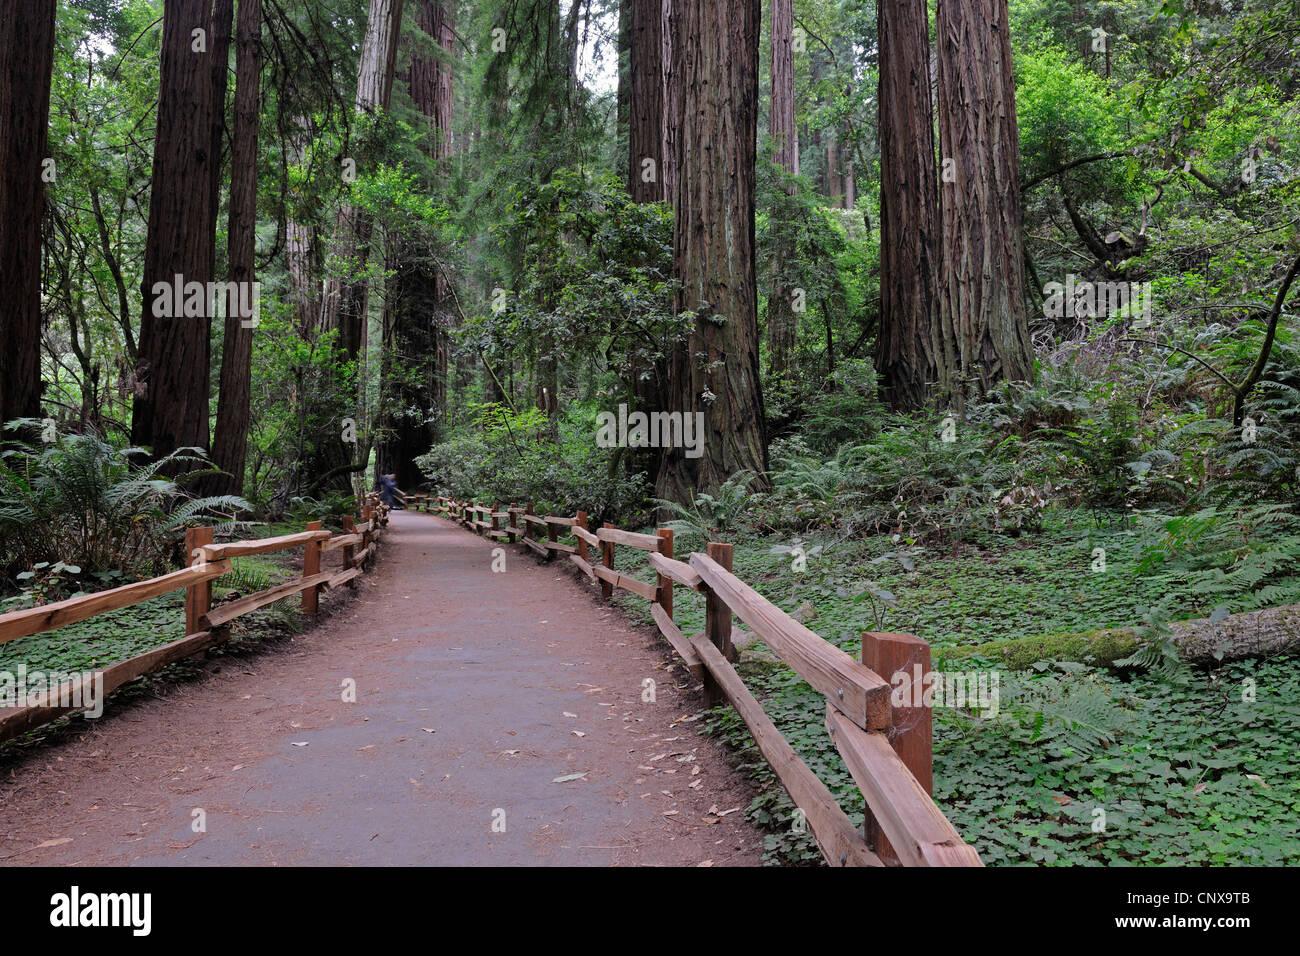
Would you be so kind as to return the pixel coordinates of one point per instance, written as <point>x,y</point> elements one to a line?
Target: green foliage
<point>521,457</point>
<point>1232,559</point>
<point>907,480</point>
<point>327,509</point>
<point>592,275</point>
<point>711,517</point>
<point>84,502</point>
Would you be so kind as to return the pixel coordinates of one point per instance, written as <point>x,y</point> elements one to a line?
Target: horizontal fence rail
<point>204,624</point>
<point>887,748</point>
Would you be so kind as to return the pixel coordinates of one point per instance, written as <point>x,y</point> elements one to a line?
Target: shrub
<point>83,502</point>
<point>522,456</point>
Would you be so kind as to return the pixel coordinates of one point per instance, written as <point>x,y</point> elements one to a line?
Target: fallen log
<point>1263,633</point>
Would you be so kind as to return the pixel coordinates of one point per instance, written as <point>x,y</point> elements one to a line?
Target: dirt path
<point>475,690</point>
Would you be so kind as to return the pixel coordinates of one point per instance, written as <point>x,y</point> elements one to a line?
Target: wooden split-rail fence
<point>205,625</point>
<point>886,747</point>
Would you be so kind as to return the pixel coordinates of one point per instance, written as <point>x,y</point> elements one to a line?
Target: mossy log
<point>1263,633</point>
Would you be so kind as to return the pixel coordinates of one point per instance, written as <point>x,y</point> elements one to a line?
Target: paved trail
<point>474,691</point>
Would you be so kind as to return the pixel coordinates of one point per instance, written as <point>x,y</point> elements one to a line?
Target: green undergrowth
<point>108,638</point>
<point>1184,771</point>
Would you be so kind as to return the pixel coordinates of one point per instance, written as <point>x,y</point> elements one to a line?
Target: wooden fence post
<point>717,622</point>
<point>910,726</point>
<point>513,531</point>
<point>607,559</point>
<point>666,584</point>
<point>198,597</point>
<point>552,534</point>
<point>580,521</point>
<point>349,527</point>
<point>310,566</point>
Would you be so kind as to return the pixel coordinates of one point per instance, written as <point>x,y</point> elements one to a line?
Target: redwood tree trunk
<point>26,61</point>
<point>782,320</point>
<point>672,101</point>
<point>984,327</point>
<point>223,18</point>
<point>646,123</point>
<point>230,440</point>
<point>834,180</point>
<point>171,376</point>
<point>715,61</point>
<point>909,206</point>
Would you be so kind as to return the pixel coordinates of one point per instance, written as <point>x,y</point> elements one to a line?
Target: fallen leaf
<point>567,714</point>
<point>300,743</point>
<point>578,733</point>
<point>705,863</point>
<point>571,776</point>
<point>57,842</point>
<point>429,730</point>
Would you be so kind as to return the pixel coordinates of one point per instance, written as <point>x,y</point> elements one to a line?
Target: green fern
<point>86,502</point>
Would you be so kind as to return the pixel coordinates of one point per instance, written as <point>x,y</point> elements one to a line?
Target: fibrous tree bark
<point>834,176</point>
<point>672,100</point>
<point>646,121</point>
<point>230,438</point>
<point>984,325</point>
<point>782,319</point>
<point>172,371</point>
<point>909,206</point>
<point>715,61</point>
<point>26,62</point>
<point>223,19</point>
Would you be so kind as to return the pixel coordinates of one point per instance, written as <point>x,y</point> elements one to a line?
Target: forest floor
<point>1082,765</point>
<point>482,698</point>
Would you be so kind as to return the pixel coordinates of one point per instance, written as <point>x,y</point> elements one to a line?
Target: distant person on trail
<point>389,493</point>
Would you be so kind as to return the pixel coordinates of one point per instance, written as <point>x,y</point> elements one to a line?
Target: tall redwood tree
<point>715,62</point>
<point>984,325</point>
<point>906,352</point>
<point>26,61</point>
<point>230,438</point>
<point>782,321</point>
<point>171,376</point>
<point>418,345</point>
<point>646,121</point>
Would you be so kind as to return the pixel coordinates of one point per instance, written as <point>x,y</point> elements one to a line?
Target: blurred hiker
<point>389,493</point>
